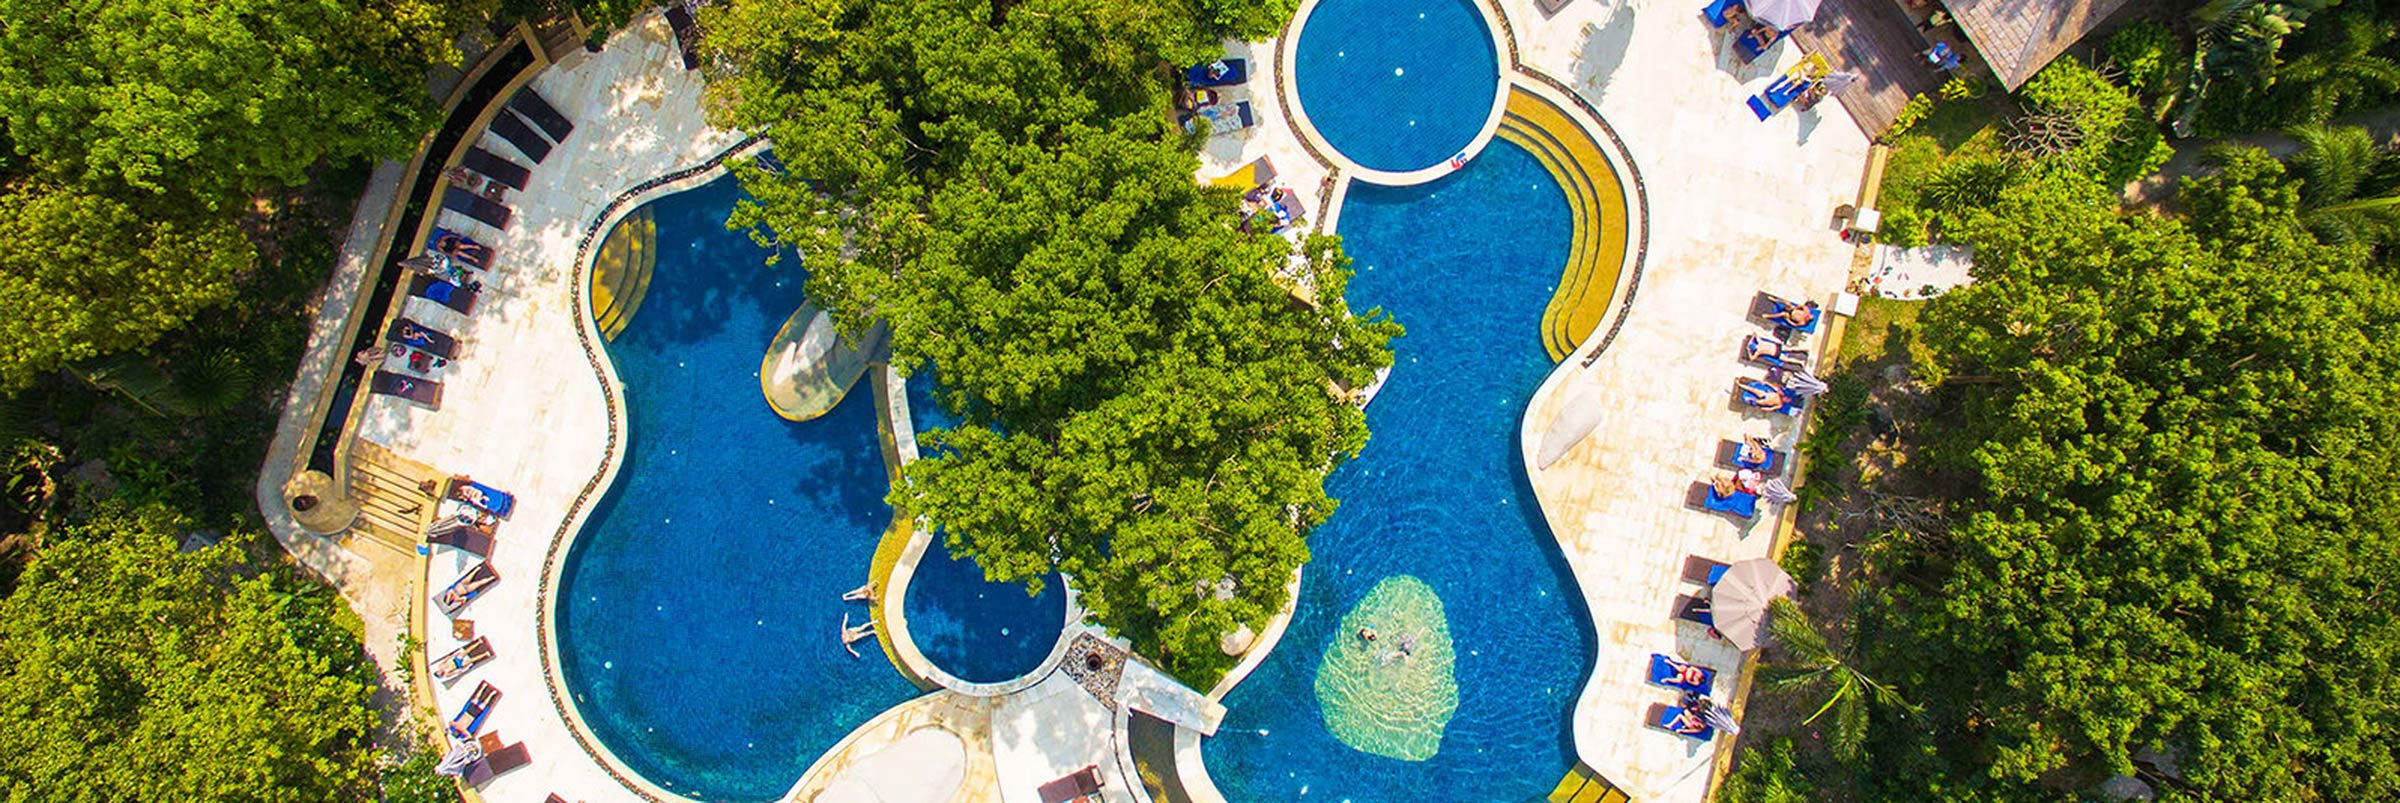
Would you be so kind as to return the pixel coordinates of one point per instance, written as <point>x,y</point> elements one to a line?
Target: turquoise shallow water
<point>1397,84</point>
<point>698,609</point>
<point>1466,264</point>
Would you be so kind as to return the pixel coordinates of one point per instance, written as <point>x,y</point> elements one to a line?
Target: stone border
<point>1495,25</point>
<point>611,460</point>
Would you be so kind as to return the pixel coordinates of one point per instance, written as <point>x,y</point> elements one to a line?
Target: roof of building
<point>2018,37</point>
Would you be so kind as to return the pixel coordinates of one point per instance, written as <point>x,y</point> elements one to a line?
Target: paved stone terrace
<point>522,409</point>
<point>1735,206</point>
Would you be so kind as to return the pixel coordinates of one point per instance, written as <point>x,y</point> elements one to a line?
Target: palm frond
<point>1791,628</point>
<point>2332,162</point>
<point>1850,729</point>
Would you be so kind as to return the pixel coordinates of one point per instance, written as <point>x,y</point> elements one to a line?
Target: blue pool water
<point>1467,264</point>
<point>698,610</point>
<point>980,631</point>
<point>1397,84</point>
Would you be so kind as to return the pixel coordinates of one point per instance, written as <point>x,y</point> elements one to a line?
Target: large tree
<point>1146,406</point>
<point>217,97</point>
<point>2178,439</point>
<point>130,671</point>
<point>89,275</point>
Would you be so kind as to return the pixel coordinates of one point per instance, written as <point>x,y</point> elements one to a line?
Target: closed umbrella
<point>1739,600</point>
<point>1783,14</point>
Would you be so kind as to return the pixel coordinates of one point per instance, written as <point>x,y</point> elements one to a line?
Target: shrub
<point>1909,116</point>
<point>2110,136</point>
<point>1966,183</point>
<point>1962,88</point>
<point>1804,561</point>
<point>2147,54</point>
<point>1768,775</point>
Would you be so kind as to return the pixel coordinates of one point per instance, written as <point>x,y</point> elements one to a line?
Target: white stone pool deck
<point>1736,206</point>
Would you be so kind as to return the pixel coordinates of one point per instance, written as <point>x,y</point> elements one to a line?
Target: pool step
<point>620,274</point>
<point>1582,785</point>
<point>1596,198</point>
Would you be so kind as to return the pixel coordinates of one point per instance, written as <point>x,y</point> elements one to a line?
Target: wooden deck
<point>1876,40</point>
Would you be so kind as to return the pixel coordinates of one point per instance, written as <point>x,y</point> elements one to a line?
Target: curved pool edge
<point>1191,763</point>
<point>1287,87</point>
<point>604,371</point>
<point>1628,287</point>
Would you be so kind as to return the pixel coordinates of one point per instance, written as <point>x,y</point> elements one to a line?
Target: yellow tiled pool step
<point>621,271</point>
<point>1595,200</point>
<point>1582,785</point>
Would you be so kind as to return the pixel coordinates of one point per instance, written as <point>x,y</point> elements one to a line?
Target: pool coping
<point>1191,764</point>
<point>612,457</point>
<point>1495,25</point>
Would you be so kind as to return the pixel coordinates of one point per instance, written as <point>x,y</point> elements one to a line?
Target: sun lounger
<point>496,167</point>
<point>422,338</point>
<point>1768,304</point>
<point>1222,72</point>
<point>539,111</point>
<point>1740,503</point>
<point>1222,119</point>
<point>422,391</point>
<point>467,588</point>
<point>459,247</point>
<point>508,126</point>
<point>1729,455</point>
<point>1757,40</point>
<point>1662,716</point>
<point>460,661</point>
<point>477,707</point>
<point>1778,94</point>
<point>1782,356</point>
<point>1723,12</point>
<point>1695,610</point>
<point>496,762</point>
<point>1702,571</point>
<point>1662,673</point>
<point>451,514</point>
<point>491,500</point>
<point>469,539</point>
<point>492,213</point>
<point>444,293</point>
<point>1792,402</point>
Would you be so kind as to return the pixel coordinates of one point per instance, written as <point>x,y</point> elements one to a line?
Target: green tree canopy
<point>2179,441</point>
<point>217,97</point>
<point>1145,406</point>
<point>132,672</point>
<point>90,275</point>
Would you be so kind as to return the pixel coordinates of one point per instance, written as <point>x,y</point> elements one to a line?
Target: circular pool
<point>976,630</point>
<point>1397,85</point>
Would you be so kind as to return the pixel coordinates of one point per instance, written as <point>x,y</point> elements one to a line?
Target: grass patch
<point>1879,334</point>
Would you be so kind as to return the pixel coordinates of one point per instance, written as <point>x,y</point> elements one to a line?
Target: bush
<point>1967,183</point>
<point>1963,88</point>
<point>1804,561</point>
<point>1909,116</point>
<point>414,781</point>
<point>1768,776</point>
<point>2118,143</point>
<point>2147,53</point>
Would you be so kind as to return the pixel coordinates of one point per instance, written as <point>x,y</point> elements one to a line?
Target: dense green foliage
<point>132,672</point>
<point>98,277</point>
<point>1145,406</point>
<point>2119,142</point>
<point>2171,435</point>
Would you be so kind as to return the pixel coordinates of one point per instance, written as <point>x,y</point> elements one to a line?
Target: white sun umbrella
<point>461,756</point>
<point>1739,600</point>
<point>1783,13</point>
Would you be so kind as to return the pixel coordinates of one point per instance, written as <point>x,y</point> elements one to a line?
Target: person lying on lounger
<point>458,595</point>
<point>1754,450</point>
<point>1771,398</point>
<point>1790,314</point>
<point>1743,481</point>
<point>1688,723</point>
<point>453,245</point>
<point>473,496</point>
<point>1755,347</point>
<point>1687,673</point>
<point>466,719</point>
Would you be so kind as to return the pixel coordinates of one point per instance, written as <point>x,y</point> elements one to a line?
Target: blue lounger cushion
<point>492,500</point>
<point>1662,717</point>
<point>1662,673</point>
<point>1760,108</point>
<point>1741,503</point>
<point>1716,12</point>
<point>476,709</point>
<point>1236,71</point>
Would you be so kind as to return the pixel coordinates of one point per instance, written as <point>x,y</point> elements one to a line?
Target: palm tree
<point>2347,71</point>
<point>1812,666</point>
<point>2239,38</point>
<point>2347,193</point>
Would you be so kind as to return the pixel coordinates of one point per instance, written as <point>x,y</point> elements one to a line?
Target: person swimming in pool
<point>1367,635</point>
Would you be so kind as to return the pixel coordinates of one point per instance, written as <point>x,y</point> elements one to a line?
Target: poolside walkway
<point>521,409</point>
<point>1735,206</point>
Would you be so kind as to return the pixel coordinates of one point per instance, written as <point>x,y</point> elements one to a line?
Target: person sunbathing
<point>1685,722</point>
<point>1754,450</point>
<point>1755,347</point>
<point>1771,398</point>
<point>1686,673</point>
<point>1743,481</point>
<point>459,594</point>
<point>1790,314</point>
<point>472,495</point>
<point>456,246</point>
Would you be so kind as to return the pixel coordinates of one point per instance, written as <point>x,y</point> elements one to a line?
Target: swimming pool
<point>1397,85</point>
<point>1438,501</point>
<point>697,611</point>
<point>979,631</point>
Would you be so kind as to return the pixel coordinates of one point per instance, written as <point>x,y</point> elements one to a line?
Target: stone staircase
<point>1582,785</point>
<point>393,507</point>
<point>1595,200</point>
